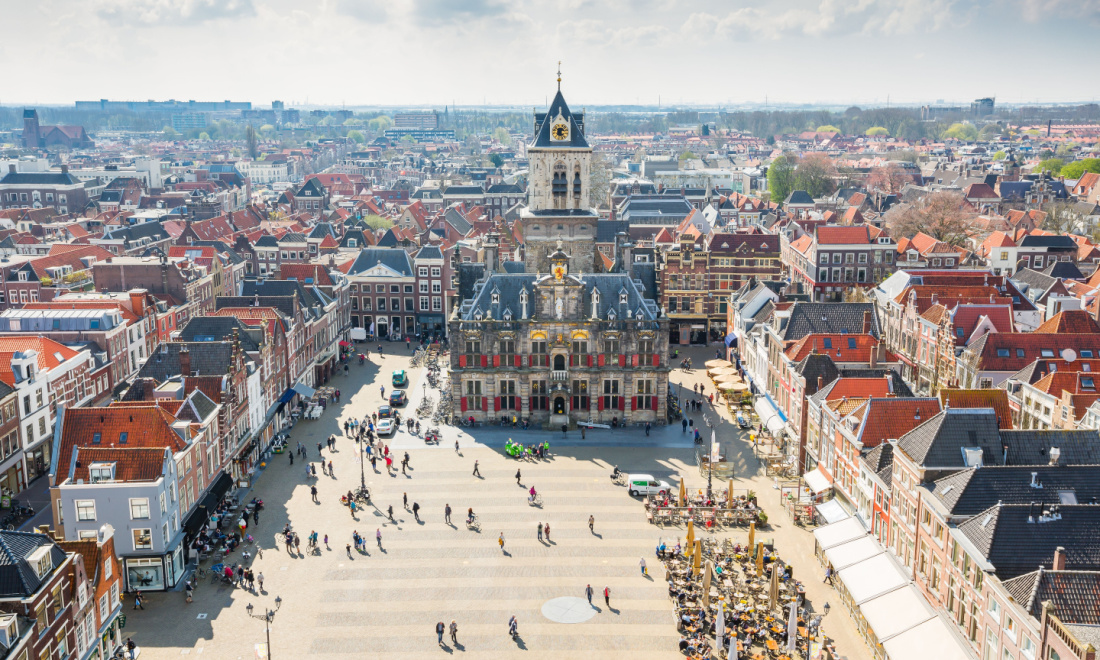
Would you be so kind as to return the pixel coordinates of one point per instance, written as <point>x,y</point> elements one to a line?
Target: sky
<point>505,52</point>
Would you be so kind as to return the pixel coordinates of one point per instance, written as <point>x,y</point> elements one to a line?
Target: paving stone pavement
<point>384,603</point>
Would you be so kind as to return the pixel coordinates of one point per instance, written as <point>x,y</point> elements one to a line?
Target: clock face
<point>560,131</point>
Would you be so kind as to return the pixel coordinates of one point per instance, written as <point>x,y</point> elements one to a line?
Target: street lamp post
<point>710,464</point>
<point>267,617</point>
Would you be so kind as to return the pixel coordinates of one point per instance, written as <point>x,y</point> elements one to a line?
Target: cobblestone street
<point>385,602</point>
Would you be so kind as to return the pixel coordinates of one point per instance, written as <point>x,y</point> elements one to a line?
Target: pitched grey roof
<point>463,190</point>
<point>880,460</point>
<point>308,295</point>
<point>967,492</point>
<point>208,358</point>
<point>1014,545</point>
<point>267,240</point>
<point>469,274</point>
<point>17,577</point>
<point>508,287</point>
<point>292,237</point>
<point>828,318</point>
<point>197,407</point>
<point>429,252</point>
<point>394,258</point>
<point>321,230</point>
<point>151,230</point>
<point>220,328</point>
<point>456,220</point>
<point>1054,240</point>
<point>576,126</point>
<point>504,189</point>
<point>798,197</point>
<point>817,365</point>
<point>40,178</point>
<point>1074,594</point>
<point>514,267</point>
<point>607,230</point>
<point>654,209</point>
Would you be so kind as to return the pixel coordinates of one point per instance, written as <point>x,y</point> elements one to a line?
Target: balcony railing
<point>559,375</point>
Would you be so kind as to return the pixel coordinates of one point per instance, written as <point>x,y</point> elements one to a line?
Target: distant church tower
<point>559,210</point>
<point>31,138</point>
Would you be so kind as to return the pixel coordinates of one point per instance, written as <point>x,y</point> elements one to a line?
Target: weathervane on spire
<point>559,75</point>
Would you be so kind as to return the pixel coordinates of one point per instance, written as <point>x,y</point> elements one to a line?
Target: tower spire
<point>559,75</point>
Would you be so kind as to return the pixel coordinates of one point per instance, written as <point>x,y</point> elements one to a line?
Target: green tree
<point>1052,165</point>
<point>380,123</point>
<point>356,136</point>
<point>1000,155</point>
<point>169,133</point>
<point>204,136</point>
<point>990,130</point>
<point>816,174</point>
<point>960,131</point>
<point>770,140</point>
<point>1077,168</point>
<point>828,128</point>
<point>352,121</point>
<point>781,176</point>
<point>877,131</point>
<point>267,128</point>
<point>907,155</point>
<point>377,222</point>
<point>502,136</point>
<point>496,159</point>
<point>687,155</point>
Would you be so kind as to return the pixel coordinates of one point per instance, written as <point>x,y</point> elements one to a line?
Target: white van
<point>645,484</point>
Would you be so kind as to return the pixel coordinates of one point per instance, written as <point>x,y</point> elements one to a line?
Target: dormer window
<point>101,472</point>
<point>508,315</point>
<point>41,561</point>
<point>622,298</point>
<point>477,315</point>
<point>496,298</point>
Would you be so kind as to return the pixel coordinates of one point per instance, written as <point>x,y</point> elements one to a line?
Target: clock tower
<point>559,211</point>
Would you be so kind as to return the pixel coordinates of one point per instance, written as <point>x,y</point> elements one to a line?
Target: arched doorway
<point>559,363</point>
<point>559,405</point>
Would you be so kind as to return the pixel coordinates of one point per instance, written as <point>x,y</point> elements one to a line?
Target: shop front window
<point>145,574</point>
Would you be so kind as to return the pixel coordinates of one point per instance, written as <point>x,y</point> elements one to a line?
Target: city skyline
<point>690,52</point>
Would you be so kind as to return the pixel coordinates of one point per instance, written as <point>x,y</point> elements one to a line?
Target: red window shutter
<point>622,360</point>
<point>462,360</point>
<point>656,360</point>
<point>601,360</point>
<point>496,403</point>
<point>484,360</point>
<point>633,403</point>
<point>599,403</point>
<point>634,360</point>
<point>622,403</point>
<point>463,406</point>
<point>590,360</point>
<point>654,403</point>
<point>496,360</point>
<point>484,403</point>
<point>518,361</point>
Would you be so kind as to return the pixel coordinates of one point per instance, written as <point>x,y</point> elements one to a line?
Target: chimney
<point>1059,563</point>
<point>137,301</point>
<point>11,168</point>
<point>867,322</point>
<point>1055,454</point>
<point>874,356</point>
<point>64,169</point>
<point>185,362</point>
<point>820,383</point>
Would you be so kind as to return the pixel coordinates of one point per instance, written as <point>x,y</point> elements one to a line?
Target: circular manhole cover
<point>568,610</point>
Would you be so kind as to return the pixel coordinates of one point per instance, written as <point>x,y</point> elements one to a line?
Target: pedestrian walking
<point>382,391</point>
<point>588,593</point>
<point>538,531</point>
<point>582,433</point>
<point>131,647</point>
<point>319,449</point>
<point>456,447</point>
<point>190,591</point>
<point>405,500</point>
<point>416,511</point>
<point>518,478</point>
<point>592,524</point>
<point>564,429</point>
<point>389,510</point>
<point>260,575</point>
<point>454,632</point>
<point>137,599</point>
<point>440,628</point>
<point>647,429</point>
<point>641,563</point>
<point>408,460</point>
<point>374,463</point>
<point>828,575</point>
<point>291,458</point>
<point>378,536</point>
<point>407,345</point>
<point>501,541</point>
<point>349,550</point>
<point>326,547</point>
<point>546,530</point>
<point>330,472</point>
<point>684,425</point>
<point>403,464</point>
<point>313,492</point>
<point>476,473</point>
<point>607,597</point>
<point>389,465</point>
<point>447,514</point>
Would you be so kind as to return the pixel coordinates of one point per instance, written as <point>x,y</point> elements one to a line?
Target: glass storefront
<point>145,574</point>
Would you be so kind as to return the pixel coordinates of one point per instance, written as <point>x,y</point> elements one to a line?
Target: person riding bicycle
<point>470,516</point>
<point>615,473</point>
<point>533,493</point>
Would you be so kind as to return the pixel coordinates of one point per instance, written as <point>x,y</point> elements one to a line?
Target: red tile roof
<point>1075,321</point>
<point>839,347</point>
<point>835,235</point>
<point>144,425</point>
<point>131,463</point>
<point>997,399</point>
<point>48,353</point>
<point>891,418</point>
<point>1032,346</point>
<point>302,272</point>
<point>980,191</point>
<point>860,388</point>
<point>802,243</point>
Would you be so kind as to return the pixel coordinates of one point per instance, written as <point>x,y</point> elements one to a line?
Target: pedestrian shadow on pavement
<point>612,610</point>
<point>520,644</point>
<point>459,647</point>
<point>599,536</point>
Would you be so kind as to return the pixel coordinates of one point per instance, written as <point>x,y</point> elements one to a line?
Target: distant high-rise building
<point>186,121</point>
<point>429,120</point>
<point>982,107</point>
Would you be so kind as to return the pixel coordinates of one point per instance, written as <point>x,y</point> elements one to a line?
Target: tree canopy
<point>828,128</point>
<point>877,131</point>
<point>1077,168</point>
<point>1052,165</point>
<point>960,131</point>
<point>816,174</point>
<point>356,136</point>
<point>781,178</point>
<point>380,123</point>
<point>377,222</point>
<point>941,215</point>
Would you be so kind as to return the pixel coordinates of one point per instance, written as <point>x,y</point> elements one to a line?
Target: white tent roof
<point>894,613</point>
<point>832,512</point>
<point>872,578</point>
<point>931,639</point>
<point>817,481</point>
<point>846,554</point>
<point>846,530</point>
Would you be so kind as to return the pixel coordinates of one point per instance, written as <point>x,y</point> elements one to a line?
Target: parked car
<point>646,484</point>
<point>386,426</point>
<point>398,398</point>
<point>400,378</point>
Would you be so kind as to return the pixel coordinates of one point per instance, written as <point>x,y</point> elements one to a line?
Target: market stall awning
<point>344,344</point>
<point>872,578</point>
<point>304,390</point>
<point>831,512</point>
<point>931,639</point>
<point>846,530</point>
<point>817,481</point>
<point>846,554</point>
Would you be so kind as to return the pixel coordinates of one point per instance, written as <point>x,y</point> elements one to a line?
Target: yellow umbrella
<point>682,494</point>
<point>698,557</point>
<point>711,364</point>
<point>773,589</point>
<point>691,533</point>
<point>752,533</point>
<point>729,496</point>
<point>759,558</point>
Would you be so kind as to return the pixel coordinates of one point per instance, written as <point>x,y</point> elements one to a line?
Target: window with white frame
<point>85,509</point>
<point>139,508</point>
<point>143,539</point>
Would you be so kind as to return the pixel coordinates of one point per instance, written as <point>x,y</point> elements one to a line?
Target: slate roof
<point>504,189</point>
<point>40,179</point>
<point>828,318</point>
<point>17,578</point>
<point>292,237</point>
<point>1049,241</point>
<point>817,365</point>
<point>208,358</point>
<point>309,296</point>
<point>607,230</point>
<point>393,258</point>
<point>798,197</point>
<point>321,230</point>
<point>155,231</point>
<point>219,328</point>
<point>968,492</point>
<point>880,460</point>
<point>509,287</point>
<point>463,190</point>
<point>457,221</point>
<point>429,252</point>
<point>1066,270</point>
<point>576,126</point>
<point>1074,594</point>
<point>1016,546</point>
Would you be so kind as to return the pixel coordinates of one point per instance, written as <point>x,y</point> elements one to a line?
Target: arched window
<point>559,188</point>
<point>577,186</point>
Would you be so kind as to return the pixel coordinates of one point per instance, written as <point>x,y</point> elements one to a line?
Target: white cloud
<point>169,12</point>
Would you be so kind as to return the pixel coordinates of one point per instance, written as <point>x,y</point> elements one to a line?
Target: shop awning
<point>304,390</point>
<point>731,339</point>
<point>768,415</point>
<point>344,344</point>
<point>894,613</point>
<point>872,578</point>
<point>206,505</point>
<point>931,639</point>
<point>846,530</point>
<point>817,481</point>
<point>846,554</point>
<point>287,395</point>
<point>831,512</point>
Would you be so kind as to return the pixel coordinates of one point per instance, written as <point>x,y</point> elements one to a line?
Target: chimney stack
<point>1059,563</point>
<point>185,362</point>
<point>820,383</point>
<point>867,322</point>
<point>11,168</point>
<point>874,356</point>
